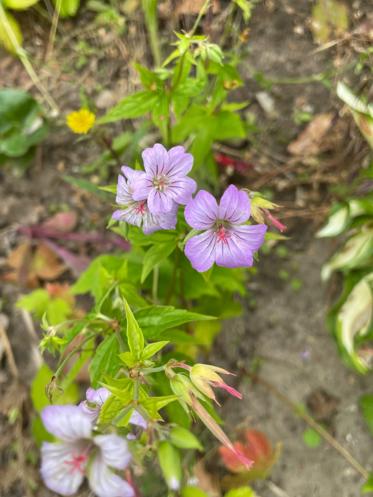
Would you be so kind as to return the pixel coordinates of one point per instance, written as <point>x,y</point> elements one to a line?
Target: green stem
<point>201,13</point>
<point>149,8</point>
<point>26,62</point>
<point>155,284</point>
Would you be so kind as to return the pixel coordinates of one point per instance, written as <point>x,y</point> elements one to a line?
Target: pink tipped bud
<point>227,388</point>
<point>275,222</point>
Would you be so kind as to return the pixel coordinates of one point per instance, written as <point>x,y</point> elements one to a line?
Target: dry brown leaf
<point>206,481</point>
<point>45,264</point>
<point>62,221</point>
<point>310,140</point>
<point>187,7</point>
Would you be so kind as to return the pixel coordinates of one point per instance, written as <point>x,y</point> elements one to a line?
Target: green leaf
<point>155,255</point>
<point>154,404</point>
<point>110,410</point>
<point>184,439</point>
<point>8,24</point>
<point>241,492</point>
<point>39,385</point>
<point>170,463</point>
<point>336,224</point>
<point>105,360</point>
<point>122,388</point>
<point>152,348</point>
<point>366,406</point>
<point>246,6</point>
<point>135,336</point>
<point>135,105</point>
<point>156,319</point>
<point>192,492</point>
<point>311,438</point>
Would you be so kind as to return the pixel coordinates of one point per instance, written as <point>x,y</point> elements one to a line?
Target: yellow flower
<point>80,121</point>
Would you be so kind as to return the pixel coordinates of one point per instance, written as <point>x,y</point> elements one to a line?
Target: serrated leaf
<point>110,410</point>
<point>135,336</point>
<point>135,105</point>
<point>122,388</point>
<point>154,404</point>
<point>184,439</point>
<point>105,360</point>
<point>152,348</point>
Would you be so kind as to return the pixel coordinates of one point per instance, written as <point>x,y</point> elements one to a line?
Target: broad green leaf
<point>366,406</point>
<point>336,224</point>
<point>122,388</point>
<point>38,390</point>
<point>246,6</point>
<point>156,319</point>
<point>68,7</point>
<point>135,105</point>
<point>105,360</point>
<point>184,439</point>
<point>170,463</point>
<point>39,302</point>
<point>354,320</point>
<point>19,4</point>
<point>152,348</point>
<point>155,255</point>
<point>311,438</point>
<point>135,336</point>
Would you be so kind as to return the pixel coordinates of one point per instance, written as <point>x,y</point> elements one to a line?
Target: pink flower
<point>136,212</point>
<point>78,453</point>
<point>227,240</point>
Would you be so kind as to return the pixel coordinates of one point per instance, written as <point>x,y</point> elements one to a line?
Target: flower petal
<point>234,205</point>
<point>141,187</point>
<point>232,253</point>
<point>138,420</point>
<point>182,189</point>
<point>156,160</point>
<point>67,423</point>
<point>57,472</point>
<point>98,396</point>
<point>252,235</point>
<point>130,173</point>
<point>159,202</point>
<point>180,163</point>
<point>123,191</point>
<point>105,483</point>
<point>129,215</point>
<point>200,250</point>
<point>202,211</point>
<point>114,450</point>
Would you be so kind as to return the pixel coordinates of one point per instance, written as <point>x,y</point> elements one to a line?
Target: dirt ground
<point>286,328</point>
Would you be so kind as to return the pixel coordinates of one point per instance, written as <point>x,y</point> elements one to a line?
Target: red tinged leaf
<point>238,165</point>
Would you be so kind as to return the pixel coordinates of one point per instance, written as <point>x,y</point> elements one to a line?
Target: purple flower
<point>95,399</point>
<point>136,212</point>
<point>78,453</point>
<point>226,240</point>
<point>164,182</point>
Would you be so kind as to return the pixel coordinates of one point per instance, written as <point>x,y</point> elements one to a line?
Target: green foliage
<point>67,8</point>
<point>311,438</point>
<point>367,488</point>
<point>366,406</point>
<point>40,303</point>
<point>22,125</point>
<point>105,360</point>
<point>170,463</point>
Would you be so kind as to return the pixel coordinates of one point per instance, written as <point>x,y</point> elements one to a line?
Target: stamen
<point>160,182</point>
<point>77,463</point>
<point>222,234</point>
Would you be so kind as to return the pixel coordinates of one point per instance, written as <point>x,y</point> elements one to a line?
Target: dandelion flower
<point>80,121</point>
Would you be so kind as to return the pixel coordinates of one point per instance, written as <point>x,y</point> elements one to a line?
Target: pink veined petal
<point>180,162</point>
<point>182,189</point>
<point>251,234</point>
<point>151,223</point>
<point>168,221</point>
<point>234,206</point>
<point>159,202</point>
<point>123,191</point>
<point>62,466</point>
<point>67,422</point>
<point>202,211</point>
<point>141,187</point>
<point>98,396</point>
<point>156,160</point>
<point>131,174</point>
<point>200,250</point>
<point>105,483</point>
<point>129,215</point>
<point>233,253</point>
<point>114,450</point>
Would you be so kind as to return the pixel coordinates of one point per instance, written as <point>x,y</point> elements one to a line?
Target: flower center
<point>160,182</point>
<point>222,233</point>
<point>141,207</point>
<point>77,463</point>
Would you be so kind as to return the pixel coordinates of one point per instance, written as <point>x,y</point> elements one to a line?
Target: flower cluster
<point>80,451</point>
<point>150,199</point>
